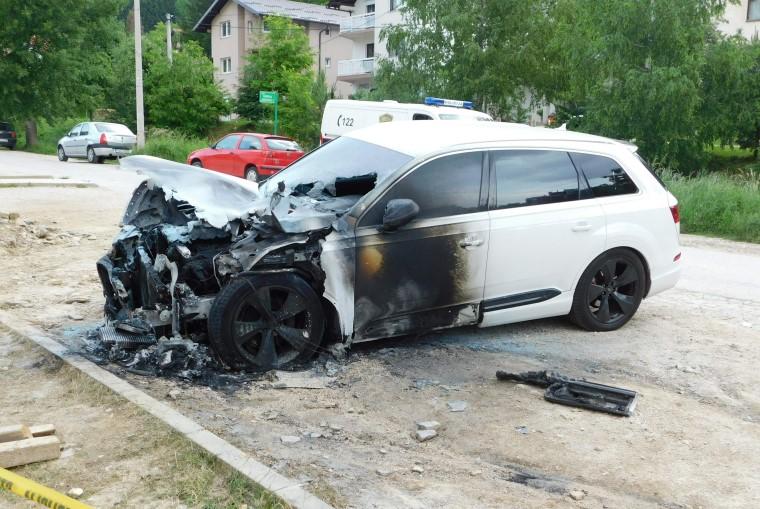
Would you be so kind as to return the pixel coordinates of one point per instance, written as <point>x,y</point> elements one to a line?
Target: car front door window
<point>429,273</point>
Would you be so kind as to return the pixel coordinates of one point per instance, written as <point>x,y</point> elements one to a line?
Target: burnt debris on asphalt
<point>578,393</point>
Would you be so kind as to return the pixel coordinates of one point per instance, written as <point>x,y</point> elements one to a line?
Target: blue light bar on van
<point>436,101</point>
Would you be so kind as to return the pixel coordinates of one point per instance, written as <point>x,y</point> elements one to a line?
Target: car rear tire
<point>196,163</point>
<point>62,154</point>
<point>266,321</point>
<point>252,174</point>
<point>92,157</point>
<point>609,291</point>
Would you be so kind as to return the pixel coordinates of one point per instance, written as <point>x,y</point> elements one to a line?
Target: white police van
<point>342,116</point>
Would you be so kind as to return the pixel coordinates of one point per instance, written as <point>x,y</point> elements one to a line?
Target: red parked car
<point>252,156</point>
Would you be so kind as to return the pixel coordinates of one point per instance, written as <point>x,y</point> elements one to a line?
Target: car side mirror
<point>397,213</point>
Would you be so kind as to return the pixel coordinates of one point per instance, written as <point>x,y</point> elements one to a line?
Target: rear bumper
<point>7,142</point>
<point>270,170</point>
<point>112,150</point>
<point>665,280</point>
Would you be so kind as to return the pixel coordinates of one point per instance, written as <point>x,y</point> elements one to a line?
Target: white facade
<point>363,28</point>
<point>743,18</point>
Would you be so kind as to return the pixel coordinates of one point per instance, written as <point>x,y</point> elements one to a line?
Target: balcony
<point>358,70</point>
<point>354,25</point>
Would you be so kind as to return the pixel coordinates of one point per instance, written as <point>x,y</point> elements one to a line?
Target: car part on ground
<point>578,393</point>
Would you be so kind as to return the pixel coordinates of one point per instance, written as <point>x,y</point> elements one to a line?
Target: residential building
<point>363,28</point>
<point>742,17</point>
<point>238,27</point>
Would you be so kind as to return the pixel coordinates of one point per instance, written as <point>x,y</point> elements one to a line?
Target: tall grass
<point>717,204</point>
<point>170,145</point>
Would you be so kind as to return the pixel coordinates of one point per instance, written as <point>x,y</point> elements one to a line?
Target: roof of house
<point>286,8</point>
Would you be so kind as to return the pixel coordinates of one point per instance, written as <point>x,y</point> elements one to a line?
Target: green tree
<point>487,51</point>
<point>189,12</point>
<point>635,68</point>
<point>181,95</point>
<point>284,63</point>
<point>731,93</point>
<point>55,57</point>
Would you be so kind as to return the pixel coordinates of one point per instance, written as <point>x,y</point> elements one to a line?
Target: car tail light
<point>103,139</point>
<point>13,134</point>
<point>676,215</point>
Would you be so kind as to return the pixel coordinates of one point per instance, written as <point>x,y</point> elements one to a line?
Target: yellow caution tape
<point>29,489</point>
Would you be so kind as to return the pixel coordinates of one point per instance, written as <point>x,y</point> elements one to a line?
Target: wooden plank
<point>42,430</point>
<point>31,450</point>
<point>16,432</point>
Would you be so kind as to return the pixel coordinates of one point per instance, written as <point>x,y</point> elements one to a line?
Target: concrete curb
<point>287,489</point>
<point>10,184</point>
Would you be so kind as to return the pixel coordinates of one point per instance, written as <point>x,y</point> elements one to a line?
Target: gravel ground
<point>691,353</point>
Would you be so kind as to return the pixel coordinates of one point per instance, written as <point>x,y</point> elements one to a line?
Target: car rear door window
<point>446,186</point>
<point>605,176</point>
<point>228,143</point>
<point>534,177</point>
<point>250,143</point>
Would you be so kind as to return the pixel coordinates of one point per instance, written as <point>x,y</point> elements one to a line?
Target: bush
<point>170,145</point>
<point>48,134</point>
<point>717,204</point>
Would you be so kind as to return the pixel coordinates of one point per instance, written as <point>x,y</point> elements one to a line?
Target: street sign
<point>268,97</point>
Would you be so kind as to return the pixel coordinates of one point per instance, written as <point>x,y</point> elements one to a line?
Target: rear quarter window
<point>605,176</point>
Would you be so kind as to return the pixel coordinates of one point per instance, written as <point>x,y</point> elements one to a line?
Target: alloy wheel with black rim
<point>610,291</point>
<point>266,322</point>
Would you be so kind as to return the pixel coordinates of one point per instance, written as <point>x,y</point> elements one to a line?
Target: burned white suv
<point>395,229</point>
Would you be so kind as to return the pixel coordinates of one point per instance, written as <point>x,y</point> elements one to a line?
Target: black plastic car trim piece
<point>519,299</point>
<point>578,393</point>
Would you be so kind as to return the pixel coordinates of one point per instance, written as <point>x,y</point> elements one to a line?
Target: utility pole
<point>169,37</point>
<point>139,78</point>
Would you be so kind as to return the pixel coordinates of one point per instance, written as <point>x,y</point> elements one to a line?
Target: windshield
<point>112,128</point>
<point>282,144</point>
<point>343,157</point>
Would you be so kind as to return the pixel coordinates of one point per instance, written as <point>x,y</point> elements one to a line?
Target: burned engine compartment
<point>176,250</point>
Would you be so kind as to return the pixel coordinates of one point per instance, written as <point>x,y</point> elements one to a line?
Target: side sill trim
<point>519,299</point>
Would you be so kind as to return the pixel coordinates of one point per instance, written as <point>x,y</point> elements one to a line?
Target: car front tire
<point>266,321</point>
<point>62,154</point>
<point>609,291</point>
<point>197,164</point>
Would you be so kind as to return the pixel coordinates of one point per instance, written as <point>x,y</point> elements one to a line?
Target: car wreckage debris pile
<point>186,234</point>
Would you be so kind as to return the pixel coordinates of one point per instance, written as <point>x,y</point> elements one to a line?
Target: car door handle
<point>582,227</point>
<point>469,242</point>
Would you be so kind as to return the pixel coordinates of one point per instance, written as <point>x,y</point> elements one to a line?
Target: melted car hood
<point>219,199</point>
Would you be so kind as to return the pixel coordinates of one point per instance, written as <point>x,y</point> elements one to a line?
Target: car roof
<point>419,138</point>
<point>259,134</point>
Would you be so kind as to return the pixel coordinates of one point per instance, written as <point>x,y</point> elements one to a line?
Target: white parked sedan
<point>96,141</point>
<point>395,229</point>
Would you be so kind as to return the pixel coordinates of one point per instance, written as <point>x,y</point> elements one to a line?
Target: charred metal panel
<point>432,266</point>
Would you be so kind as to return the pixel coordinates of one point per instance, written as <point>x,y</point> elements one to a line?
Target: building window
<point>250,26</point>
<point>328,61</point>
<point>226,28</point>
<point>753,10</point>
<point>371,50</point>
<point>265,26</point>
<point>370,8</point>
<point>227,65</point>
<point>395,4</point>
